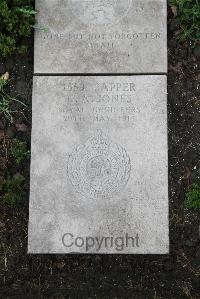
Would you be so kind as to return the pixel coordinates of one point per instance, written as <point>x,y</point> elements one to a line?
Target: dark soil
<point>109,276</point>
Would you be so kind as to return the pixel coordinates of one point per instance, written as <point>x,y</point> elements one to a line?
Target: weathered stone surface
<point>99,164</point>
<point>101,36</point>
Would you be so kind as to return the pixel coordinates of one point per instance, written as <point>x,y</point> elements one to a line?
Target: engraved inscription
<point>99,168</point>
<point>103,41</point>
<point>101,36</point>
<point>113,102</point>
<point>100,12</point>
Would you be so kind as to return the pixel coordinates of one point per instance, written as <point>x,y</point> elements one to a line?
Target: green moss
<point>12,189</point>
<point>193,197</point>
<point>19,151</point>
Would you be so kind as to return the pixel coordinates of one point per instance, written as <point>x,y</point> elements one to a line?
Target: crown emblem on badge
<point>99,142</point>
<point>100,12</point>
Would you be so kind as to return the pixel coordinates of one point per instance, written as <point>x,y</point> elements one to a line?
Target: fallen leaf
<point>5,76</point>
<point>188,175</point>
<point>177,32</point>
<point>22,128</point>
<point>174,10</point>
<point>60,265</point>
<point>176,68</point>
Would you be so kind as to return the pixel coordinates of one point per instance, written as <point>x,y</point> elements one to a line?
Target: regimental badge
<point>99,168</point>
<point>100,12</point>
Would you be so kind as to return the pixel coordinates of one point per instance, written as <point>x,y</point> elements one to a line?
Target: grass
<point>16,151</point>
<point>19,151</point>
<point>188,17</point>
<point>9,105</point>
<point>6,107</point>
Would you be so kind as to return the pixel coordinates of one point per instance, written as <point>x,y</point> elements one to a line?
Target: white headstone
<point>99,165</point>
<point>101,36</point>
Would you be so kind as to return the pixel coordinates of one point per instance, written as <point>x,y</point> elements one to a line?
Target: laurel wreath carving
<point>99,169</point>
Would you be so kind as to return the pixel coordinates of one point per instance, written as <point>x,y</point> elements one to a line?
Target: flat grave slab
<point>101,36</point>
<point>99,165</point>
